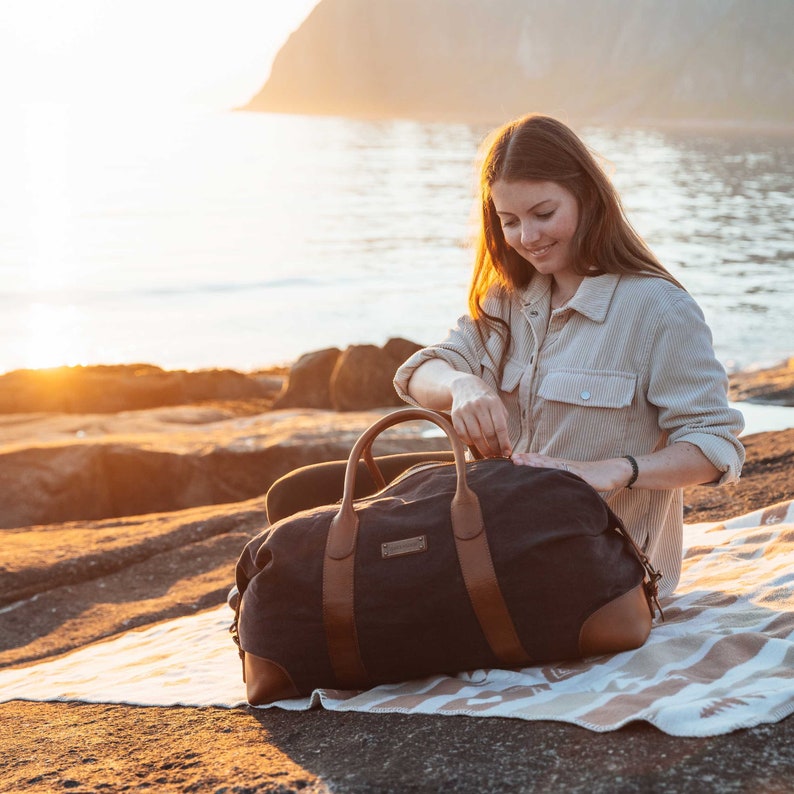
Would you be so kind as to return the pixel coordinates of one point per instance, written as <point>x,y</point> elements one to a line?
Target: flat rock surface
<point>52,747</point>
<point>69,467</point>
<point>70,583</point>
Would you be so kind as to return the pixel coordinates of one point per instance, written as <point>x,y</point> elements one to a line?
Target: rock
<point>125,387</point>
<point>772,386</point>
<point>767,478</point>
<point>358,379</point>
<point>170,460</point>
<point>34,563</point>
<point>94,579</point>
<point>363,375</point>
<point>620,62</point>
<point>92,746</point>
<point>399,349</point>
<point>308,385</point>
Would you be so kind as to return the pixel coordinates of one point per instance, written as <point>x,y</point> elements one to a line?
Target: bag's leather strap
<point>479,576</point>
<point>474,558</point>
<point>652,576</point>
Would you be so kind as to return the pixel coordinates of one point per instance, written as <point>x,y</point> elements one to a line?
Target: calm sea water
<point>242,240</point>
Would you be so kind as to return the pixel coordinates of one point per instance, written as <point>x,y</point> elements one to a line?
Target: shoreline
<point>283,366</point>
<point>685,124</point>
<point>147,385</point>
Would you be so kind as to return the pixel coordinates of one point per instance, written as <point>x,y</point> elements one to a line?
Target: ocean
<point>231,239</point>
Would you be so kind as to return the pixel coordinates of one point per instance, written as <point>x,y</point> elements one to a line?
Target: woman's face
<point>539,220</point>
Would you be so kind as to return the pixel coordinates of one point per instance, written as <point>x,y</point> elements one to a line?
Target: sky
<point>210,53</point>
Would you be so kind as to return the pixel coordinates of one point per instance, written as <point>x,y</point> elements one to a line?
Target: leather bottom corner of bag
<point>266,681</point>
<point>621,625</point>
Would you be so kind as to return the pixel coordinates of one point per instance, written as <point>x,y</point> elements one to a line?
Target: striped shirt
<point>626,367</point>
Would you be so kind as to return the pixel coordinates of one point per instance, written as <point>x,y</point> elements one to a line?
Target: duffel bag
<point>451,567</point>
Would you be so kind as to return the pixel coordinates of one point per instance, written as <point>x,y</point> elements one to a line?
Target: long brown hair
<point>537,147</point>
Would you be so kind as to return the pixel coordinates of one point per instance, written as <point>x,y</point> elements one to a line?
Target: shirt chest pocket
<point>589,388</point>
<point>591,406</point>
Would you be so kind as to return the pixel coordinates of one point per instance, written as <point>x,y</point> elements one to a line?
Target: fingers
<point>480,417</point>
<point>540,461</point>
<point>488,433</point>
<point>472,433</point>
<point>501,435</point>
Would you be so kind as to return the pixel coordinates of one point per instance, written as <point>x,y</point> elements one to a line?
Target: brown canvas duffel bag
<point>451,567</point>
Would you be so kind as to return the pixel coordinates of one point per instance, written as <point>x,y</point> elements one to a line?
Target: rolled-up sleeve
<point>689,388</point>
<point>462,350</point>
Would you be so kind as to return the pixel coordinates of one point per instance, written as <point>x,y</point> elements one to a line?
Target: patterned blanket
<point>722,660</point>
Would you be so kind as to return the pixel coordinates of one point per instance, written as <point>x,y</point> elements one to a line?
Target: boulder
<point>308,384</point>
<point>399,349</point>
<point>65,585</point>
<point>358,379</point>
<point>363,375</point>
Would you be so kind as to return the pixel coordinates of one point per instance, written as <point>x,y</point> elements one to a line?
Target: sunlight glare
<point>45,194</point>
<point>143,53</point>
<point>51,335</point>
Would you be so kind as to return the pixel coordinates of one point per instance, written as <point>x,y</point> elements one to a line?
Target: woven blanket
<point>723,659</point>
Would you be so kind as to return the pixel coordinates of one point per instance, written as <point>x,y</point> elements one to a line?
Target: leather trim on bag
<point>620,625</point>
<point>340,621</point>
<point>467,520</point>
<point>342,533</point>
<point>339,560</point>
<point>266,681</point>
<point>479,576</point>
<point>374,469</point>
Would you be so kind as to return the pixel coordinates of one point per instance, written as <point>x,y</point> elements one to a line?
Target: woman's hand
<point>603,475</point>
<point>677,466</point>
<point>479,416</point>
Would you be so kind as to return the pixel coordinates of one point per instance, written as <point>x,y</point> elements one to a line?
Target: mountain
<point>487,60</point>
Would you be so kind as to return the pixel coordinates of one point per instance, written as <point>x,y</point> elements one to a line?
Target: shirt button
<point>533,313</point>
<point>585,395</point>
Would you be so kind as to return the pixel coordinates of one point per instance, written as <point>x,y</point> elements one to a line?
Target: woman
<point>581,352</point>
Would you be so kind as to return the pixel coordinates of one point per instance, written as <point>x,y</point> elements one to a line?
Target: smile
<point>539,251</point>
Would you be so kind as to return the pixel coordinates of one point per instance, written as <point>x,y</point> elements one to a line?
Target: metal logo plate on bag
<point>399,548</point>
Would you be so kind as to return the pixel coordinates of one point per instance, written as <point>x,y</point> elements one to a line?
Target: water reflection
<point>138,247</point>
<point>718,210</point>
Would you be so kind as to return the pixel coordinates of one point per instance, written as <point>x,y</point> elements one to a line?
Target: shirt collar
<point>592,299</point>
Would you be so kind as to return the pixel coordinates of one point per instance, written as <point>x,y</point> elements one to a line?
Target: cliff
<point>613,61</point>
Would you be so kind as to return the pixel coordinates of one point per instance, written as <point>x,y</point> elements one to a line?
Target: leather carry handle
<point>471,543</point>
<point>377,474</point>
<point>342,535</point>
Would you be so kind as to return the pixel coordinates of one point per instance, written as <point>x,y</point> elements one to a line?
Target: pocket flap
<point>511,374</point>
<point>593,388</point>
